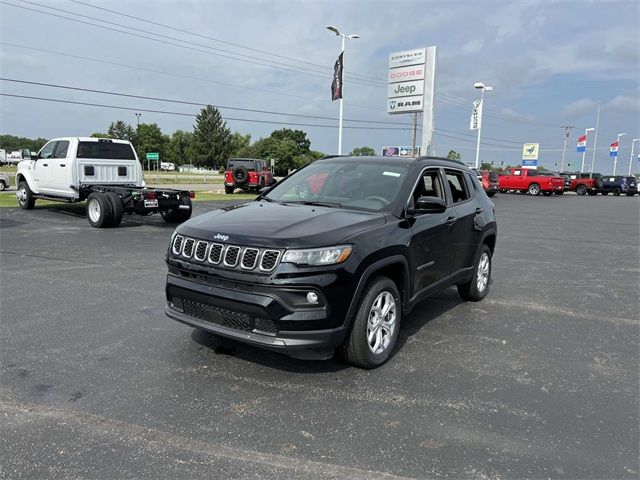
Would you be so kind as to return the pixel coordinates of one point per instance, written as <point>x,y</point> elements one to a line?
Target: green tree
<point>363,151</point>
<point>121,131</point>
<point>210,146</point>
<point>12,143</point>
<point>453,155</point>
<point>99,135</point>
<point>178,147</point>
<point>297,136</point>
<point>150,139</point>
<point>283,151</point>
<point>239,143</point>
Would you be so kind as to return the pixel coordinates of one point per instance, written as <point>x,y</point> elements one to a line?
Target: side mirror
<point>430,205</point>
<point>26,154</point>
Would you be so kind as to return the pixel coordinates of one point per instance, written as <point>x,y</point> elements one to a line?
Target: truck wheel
<point>177,215</point>
<point>592,193</point>
<point>116,207</point>
<point>375,327</point>
<point>99,211</point>
<point>581,190</point>
<point>228,190</point>
<point>534,189</point>
<point>478,287</point>
<point>25,196</point>
<point>616,192</point>
<point>3,186</point>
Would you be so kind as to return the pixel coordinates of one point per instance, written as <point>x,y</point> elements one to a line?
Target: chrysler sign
<point>408,57</point>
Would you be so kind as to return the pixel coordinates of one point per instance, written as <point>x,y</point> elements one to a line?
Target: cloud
<point>580,108</point>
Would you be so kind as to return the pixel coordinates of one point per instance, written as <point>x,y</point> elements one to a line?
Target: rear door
<point>59,178</point>
<point>42,167</point>
<point>463,237</point>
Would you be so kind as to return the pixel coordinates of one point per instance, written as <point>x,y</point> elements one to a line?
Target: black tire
<point>228,190</point>
<point>99,211</point>
<point>630,194</point>
<point>616,192</point>
<point>116,207</point>
<point>3,186</point>
<point>177,215</point>
<point>592,193</point>
<point>471,290</point>
<point>490,194</point>
<point>534,189</point>
<point>581,190</point>
<point>25,196</point>
<point>356,349</point>
<point>240,176</point>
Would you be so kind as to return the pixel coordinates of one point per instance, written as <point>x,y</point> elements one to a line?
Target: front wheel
<point>3,186</point>
<point>25,196</point>
<point>375,327</point>
<point>534,189</point>
<point>478,287</point>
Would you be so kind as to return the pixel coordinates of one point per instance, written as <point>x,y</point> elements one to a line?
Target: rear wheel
<point>99,211</point>
<point>25,196</point>
<point>375,326</point>
<point>478,287</point>
<point>3,185</point>
<point>581,190</point>
<point>116,207</point>
<point>534,189</point>
<point>177,215</point>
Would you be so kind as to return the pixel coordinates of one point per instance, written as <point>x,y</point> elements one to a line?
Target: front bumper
<point>264,316</point>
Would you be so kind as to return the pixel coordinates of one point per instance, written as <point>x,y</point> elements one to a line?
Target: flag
<point>476,115</point>
<point>336,85</point>
<point>582,143</point>
<point>613,151</point>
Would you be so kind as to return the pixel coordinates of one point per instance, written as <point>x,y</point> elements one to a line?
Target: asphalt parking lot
<point>540,380</point>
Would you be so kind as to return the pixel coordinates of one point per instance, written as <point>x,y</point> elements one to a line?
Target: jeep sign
<point>405,89</point>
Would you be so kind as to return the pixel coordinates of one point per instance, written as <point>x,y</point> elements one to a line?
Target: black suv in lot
<point>333,256</point>
<point>616,185</point>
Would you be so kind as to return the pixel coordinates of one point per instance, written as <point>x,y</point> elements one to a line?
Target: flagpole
<point>584,152</point>
<point>615,159</point>
<point>595,144</point>
<point>341,107</point>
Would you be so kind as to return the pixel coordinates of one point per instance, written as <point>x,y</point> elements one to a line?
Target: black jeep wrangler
<point>333,256</point>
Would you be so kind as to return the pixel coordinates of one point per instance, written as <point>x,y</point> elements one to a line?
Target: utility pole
<point>415,132</point>
<point>564,146</point>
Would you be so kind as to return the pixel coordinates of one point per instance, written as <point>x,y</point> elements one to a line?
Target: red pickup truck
<point>528,180</point>
<point>582,183</point>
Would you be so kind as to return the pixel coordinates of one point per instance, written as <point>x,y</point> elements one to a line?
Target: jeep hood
<point>280,225</point>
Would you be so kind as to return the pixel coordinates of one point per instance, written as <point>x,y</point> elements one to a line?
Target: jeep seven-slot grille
<point>228,256</point>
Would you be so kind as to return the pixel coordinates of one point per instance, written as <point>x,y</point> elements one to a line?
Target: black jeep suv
<point>334,255</point>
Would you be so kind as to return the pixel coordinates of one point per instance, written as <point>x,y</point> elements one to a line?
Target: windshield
<point>347,183</point>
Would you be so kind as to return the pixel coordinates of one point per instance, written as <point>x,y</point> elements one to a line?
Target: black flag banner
<point>336,85</point>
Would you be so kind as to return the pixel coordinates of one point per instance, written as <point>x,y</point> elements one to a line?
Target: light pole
<point>633,144</point>
<point>615,159</point>
<point>344,36</point>
<point>482,87</point>
<point>586,140</point>
<point>138,115</point>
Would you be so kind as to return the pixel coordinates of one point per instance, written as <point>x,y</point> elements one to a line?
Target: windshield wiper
<point>266,198</point>
<point>320,204</point>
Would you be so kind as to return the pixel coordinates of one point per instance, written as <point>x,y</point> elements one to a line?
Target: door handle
<point>450,221</point>
<point>479,210</point>
<point>63,165</point>
<point>45,164</point>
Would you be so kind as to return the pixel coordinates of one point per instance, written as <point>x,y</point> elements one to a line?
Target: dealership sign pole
<point>411,88</point>
<point>633,144</point>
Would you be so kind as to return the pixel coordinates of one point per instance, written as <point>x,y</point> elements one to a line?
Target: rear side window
<point>106,150</point>
<point>459,191</point>
<point>61,149</point>
<point>532,173</point>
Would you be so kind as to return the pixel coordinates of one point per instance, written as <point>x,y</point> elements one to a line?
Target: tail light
<point>253,177</point>
<point>228,176</point>
<point>192,194</point>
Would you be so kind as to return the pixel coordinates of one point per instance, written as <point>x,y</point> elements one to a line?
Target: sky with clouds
<point>550,62</point>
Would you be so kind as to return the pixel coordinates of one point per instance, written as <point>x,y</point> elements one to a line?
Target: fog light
<point>312,297</point>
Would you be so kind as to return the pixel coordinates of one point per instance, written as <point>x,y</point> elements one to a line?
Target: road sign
<point>153,156</point>
<point>530,151</point>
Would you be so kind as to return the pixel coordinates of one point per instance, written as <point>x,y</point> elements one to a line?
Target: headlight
<point>318,256</point>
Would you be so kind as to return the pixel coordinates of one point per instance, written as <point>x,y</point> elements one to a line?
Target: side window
<point>429,185</point>
<point>517,172</point>
<point>61,149</point>
<point>459,190</point>
<point>47,150</point>
<point>473,183</point>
